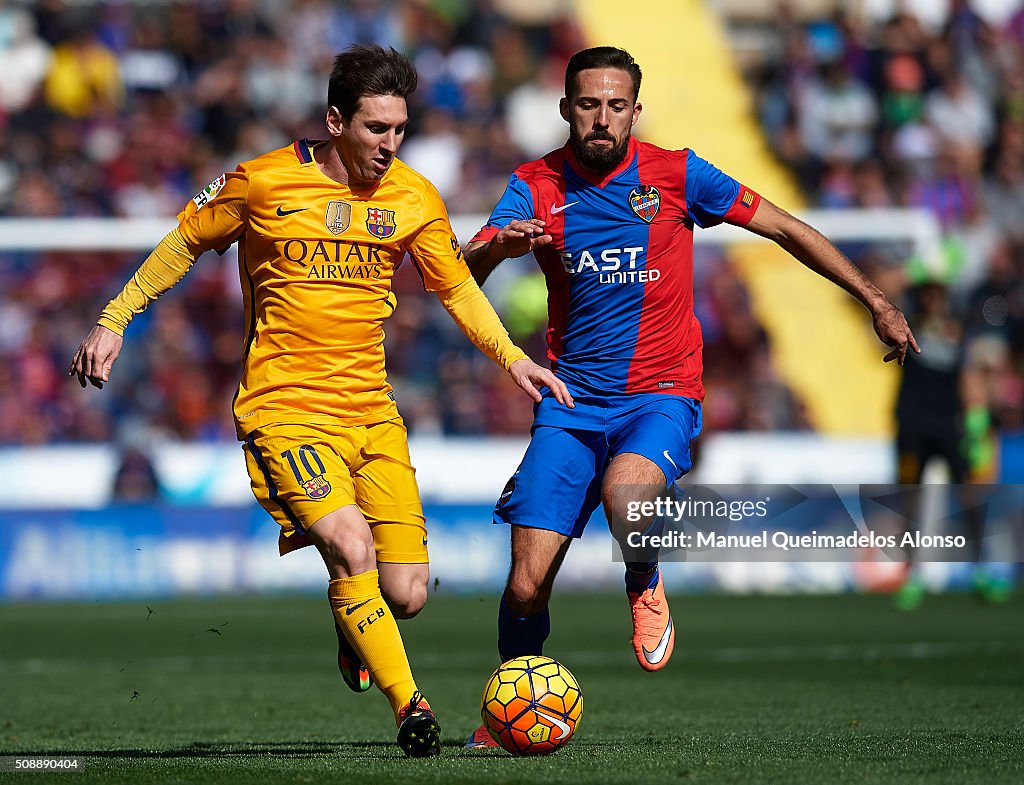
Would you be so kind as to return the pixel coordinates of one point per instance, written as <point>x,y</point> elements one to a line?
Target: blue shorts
<point>558,484</point>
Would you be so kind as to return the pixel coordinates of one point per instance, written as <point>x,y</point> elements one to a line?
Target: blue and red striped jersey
<point>619,269</point>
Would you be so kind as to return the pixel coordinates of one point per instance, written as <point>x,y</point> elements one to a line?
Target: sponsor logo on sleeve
<point>204,197</point>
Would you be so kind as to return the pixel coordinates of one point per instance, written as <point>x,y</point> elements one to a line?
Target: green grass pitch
<point>760,690</point>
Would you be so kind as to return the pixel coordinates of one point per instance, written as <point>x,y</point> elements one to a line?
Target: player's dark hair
<point>603,57</point>
<point>368,69</point>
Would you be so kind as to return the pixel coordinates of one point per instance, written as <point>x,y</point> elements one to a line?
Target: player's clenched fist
<point>96,356</point>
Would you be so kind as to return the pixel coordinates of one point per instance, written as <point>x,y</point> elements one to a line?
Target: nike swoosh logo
<point>669,457</point>
<point>281,213</point>
<point>564,729</point>
<point>656,656</point>
<point>353,608</point>
<point>555,210</point>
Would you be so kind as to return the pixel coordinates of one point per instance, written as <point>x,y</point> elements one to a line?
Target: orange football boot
<point>654,634</point>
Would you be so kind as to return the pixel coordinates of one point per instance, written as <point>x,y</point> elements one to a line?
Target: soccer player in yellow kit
<point>321,228</point>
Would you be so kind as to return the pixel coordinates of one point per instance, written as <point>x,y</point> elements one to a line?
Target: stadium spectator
<point>24,59</point>
<point>837,115</point>
<point>438,151</point>
<point>943,414</point>
<point>959,113</point>
<point>364,22</point>
<point>531,111</point>
<point>1003,195</point>
<point>148,64</point>
<point>84,79</point>
<point>276,85</point>
<point>135,480</point>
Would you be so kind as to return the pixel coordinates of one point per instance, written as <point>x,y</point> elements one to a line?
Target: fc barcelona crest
<point>645,201</point>
<point>380,223</point>
<point>317,488</point>
<point>339,216</point>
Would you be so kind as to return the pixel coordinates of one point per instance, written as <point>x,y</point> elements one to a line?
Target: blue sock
<point>521,635</point>
<point>640,577</point>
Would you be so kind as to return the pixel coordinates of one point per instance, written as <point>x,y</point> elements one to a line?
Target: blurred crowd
<point>128,109</point>
<point>899,114</point>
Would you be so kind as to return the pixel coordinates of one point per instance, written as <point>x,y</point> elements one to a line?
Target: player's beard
<point>599,159</point>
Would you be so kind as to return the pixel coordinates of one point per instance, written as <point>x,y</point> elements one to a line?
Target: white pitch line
<point>921,650</point>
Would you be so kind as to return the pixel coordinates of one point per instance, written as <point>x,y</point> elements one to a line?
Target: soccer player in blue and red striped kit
<point>610,220</point>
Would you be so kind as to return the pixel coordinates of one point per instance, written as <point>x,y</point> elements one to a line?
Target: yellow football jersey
<point>316,259</point>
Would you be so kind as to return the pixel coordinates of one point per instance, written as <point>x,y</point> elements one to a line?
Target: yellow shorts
<point>301,472</point>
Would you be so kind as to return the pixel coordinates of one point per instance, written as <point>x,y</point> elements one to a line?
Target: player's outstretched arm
<point>470,309</point>
<point>163,268</point>
<point>814,251</point>
<point>515,239</point>
<point>95,356</point>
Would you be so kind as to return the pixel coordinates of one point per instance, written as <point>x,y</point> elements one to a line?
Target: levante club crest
<point>380,223</point>
<point>645,201</point>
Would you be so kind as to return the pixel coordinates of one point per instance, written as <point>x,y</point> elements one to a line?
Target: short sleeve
<point>712,196</point>
<point>516,204</point>
<point>217,215</point>
<point>434,249</point>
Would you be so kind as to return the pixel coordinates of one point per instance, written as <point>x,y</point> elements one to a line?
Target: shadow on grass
<point>283,749</point>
